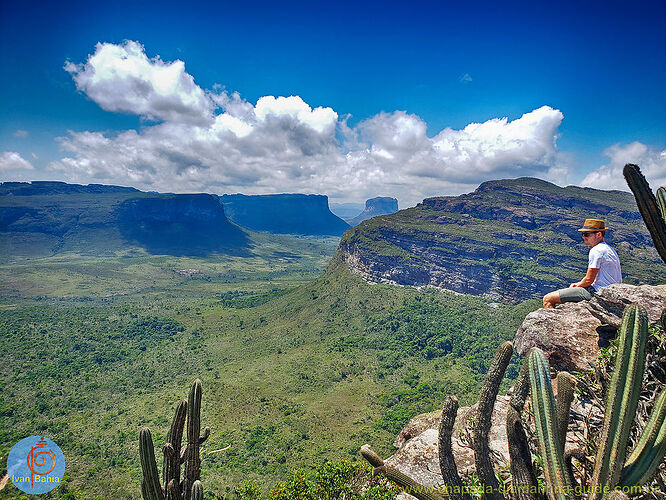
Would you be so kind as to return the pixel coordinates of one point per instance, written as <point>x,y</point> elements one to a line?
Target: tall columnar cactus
<point>190,488</point>
<point>622,400</point>
<point>545,419</point>
<point>652,209</point>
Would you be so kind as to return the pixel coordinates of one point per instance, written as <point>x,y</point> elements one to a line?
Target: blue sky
<point>581,88</point>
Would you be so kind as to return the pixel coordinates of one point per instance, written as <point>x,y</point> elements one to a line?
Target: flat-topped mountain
<point>284,213</point>
<point>43,218</point>
<point>381,205</point>
<point>509,239</point>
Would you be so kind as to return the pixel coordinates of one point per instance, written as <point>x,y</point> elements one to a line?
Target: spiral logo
<point>36,465</point>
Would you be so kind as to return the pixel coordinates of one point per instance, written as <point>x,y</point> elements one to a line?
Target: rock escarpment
<point>509,240</point>
<point>381,205</point>
<point>284,213</point>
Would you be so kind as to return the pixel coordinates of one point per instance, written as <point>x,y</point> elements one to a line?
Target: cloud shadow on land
<point>181,225</point>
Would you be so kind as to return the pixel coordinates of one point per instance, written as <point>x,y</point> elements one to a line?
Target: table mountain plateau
<point>381,205</point>
<point>45,218</point>
<point>509,240</point>
<point>284,213</point>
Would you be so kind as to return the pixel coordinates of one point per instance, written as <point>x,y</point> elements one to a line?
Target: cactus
<point>545,419</point>
<point>651,448</point>
<point>150,484</point>
<point>652,209</point>
<point>622,400</point>
<point>174,489</point>
<point>487,397</point>
<point>551,417</point>
<point>565,392</point>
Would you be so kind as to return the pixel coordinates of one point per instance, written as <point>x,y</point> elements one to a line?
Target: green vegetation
<point>297,372</point>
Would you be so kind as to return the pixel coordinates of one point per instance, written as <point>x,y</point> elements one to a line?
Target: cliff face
<point>382,205</point>
<point>509,239</point>
<point>43,218</point>
<point>284,213</point>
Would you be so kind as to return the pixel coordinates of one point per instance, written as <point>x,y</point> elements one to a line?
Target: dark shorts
<point>576,294</point>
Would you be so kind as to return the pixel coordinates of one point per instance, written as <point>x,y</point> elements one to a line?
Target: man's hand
<point>574,285</point>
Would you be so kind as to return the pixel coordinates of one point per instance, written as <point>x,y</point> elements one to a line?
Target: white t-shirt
<point>604,258</point>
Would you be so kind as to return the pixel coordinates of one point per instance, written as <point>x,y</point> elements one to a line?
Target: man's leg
<point>550,300</point>
<point>571,294</point>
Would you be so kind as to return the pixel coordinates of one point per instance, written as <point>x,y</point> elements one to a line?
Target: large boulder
<point>609,302</point>
<point>567,335</point>
<point>570,334</point>
<point>417,444</point>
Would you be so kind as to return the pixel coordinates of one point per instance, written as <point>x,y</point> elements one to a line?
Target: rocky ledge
<point>569,335</point>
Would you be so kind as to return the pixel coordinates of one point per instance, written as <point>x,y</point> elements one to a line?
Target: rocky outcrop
<point>284,213</point>
<point>571,334</point>
<point>381,205</point>
<point>417,444</point>
<point>609,303</point>
<point>568,335</point>
<point>509,240</point>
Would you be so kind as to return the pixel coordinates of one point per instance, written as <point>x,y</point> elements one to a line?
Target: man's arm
<point>589,277</point>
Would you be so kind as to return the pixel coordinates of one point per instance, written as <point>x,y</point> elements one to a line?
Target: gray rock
<point>609,302</point>
<point>567,335</point>
<point>418,454</point>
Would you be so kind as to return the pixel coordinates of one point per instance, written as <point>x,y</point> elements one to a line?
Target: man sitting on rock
<point>603,268</point>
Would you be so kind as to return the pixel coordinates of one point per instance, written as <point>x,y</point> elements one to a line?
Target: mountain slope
<point>509,239</point>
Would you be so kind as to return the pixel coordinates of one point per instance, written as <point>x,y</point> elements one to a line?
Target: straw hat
<point>593,225</point>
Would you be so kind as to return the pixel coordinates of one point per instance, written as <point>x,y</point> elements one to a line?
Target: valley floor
<point>299,364</point>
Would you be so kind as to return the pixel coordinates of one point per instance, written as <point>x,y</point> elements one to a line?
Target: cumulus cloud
<point>21,133</point>
<point>216,141</point>
<point>121,78</point>
<point>609,176</point>
<point>10,160</point>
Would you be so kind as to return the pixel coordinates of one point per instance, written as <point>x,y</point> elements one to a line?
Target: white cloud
<point>121,78</point>
<point>652,164</point>
<point>283,144</point>
<point>21,133</point>
<point>10,160</point>
<point>466,78</point>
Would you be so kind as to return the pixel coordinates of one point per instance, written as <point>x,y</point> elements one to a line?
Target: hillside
<point>509,240</point>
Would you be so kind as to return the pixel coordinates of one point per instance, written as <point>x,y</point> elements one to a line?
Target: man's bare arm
<point>589,277</point>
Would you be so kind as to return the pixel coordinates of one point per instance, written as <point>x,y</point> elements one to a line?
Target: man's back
<point>604,258</point>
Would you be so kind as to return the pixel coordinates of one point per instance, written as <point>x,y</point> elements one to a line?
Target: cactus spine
<point>174,489</point>
<point>622,400</point>
<point>545,419</point>
<point>652,211</point>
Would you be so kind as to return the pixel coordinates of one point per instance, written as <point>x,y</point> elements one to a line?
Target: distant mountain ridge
<point>43,218</point>
<point>284,213</point>
<point>509,239</point>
